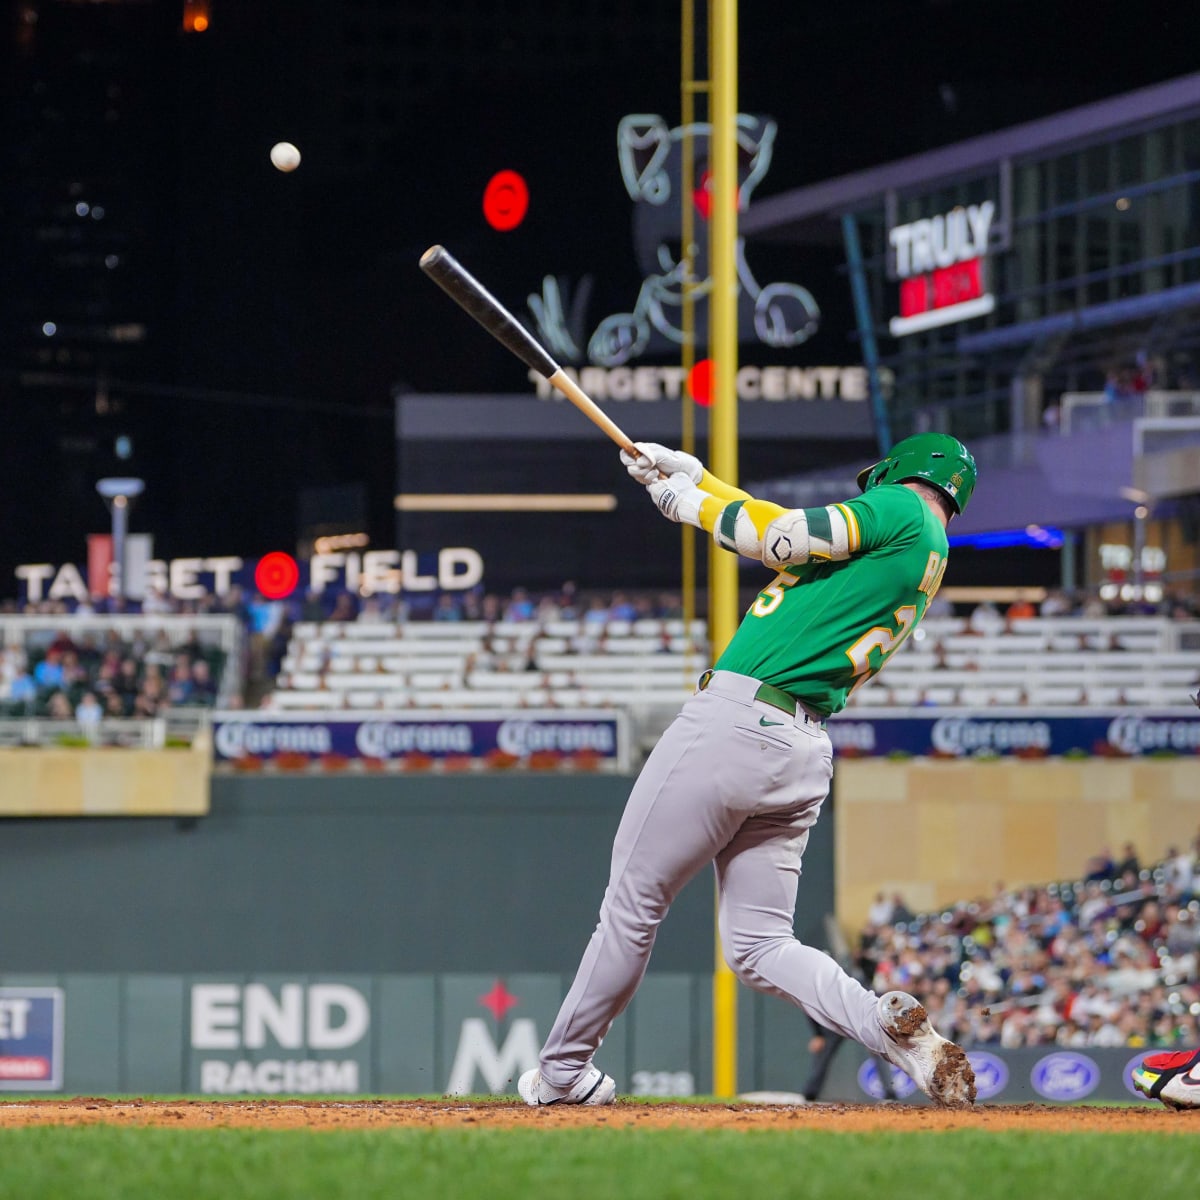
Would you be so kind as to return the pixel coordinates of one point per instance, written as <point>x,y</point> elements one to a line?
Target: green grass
<point>104,1163</point>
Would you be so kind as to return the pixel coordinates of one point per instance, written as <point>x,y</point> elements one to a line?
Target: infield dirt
<point>508,1114</point>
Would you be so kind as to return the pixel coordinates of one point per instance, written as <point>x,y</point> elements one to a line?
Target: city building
<point>1035,291</point>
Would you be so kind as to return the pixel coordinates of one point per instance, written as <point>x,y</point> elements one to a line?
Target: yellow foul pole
<point>689,87</point>
<point>723,429</point>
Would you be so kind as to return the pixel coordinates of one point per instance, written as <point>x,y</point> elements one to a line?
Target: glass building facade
<point>1090,263</point>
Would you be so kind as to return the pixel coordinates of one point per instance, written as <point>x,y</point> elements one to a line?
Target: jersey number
<point>771,597</point>
<point>935,568</point>
<point>887,640</point>
<point>882,639</point>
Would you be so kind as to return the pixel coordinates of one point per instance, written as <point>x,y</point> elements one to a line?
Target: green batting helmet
<point>935,457</point>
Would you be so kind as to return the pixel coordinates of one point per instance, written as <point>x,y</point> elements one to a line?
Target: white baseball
<point>285,156</point>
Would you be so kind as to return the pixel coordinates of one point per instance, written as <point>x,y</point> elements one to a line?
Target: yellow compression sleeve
<point>717,487</point>
<point>760,512</point>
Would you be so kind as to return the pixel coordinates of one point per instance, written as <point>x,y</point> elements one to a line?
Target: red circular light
<point>276,575</point>
<point>700,382</point>
<point>505,201</point>
<point>702,196</point>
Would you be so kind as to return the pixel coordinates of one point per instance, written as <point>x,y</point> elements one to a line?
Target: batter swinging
<point>739,777</point>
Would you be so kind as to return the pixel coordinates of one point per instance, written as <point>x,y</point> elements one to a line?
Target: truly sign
<point>939,262</point>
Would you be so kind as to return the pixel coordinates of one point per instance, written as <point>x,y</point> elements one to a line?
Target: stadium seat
<point>650,664</point>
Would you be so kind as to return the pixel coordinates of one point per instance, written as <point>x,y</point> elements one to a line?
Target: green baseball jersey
<point>822,629</point>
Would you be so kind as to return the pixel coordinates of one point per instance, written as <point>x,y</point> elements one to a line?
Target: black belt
<point>768,693</point>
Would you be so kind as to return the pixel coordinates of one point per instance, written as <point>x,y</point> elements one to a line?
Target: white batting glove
<point>654,461</point>
<point>677,497</point>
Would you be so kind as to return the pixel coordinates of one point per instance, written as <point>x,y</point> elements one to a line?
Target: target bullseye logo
<point>505,201</point>
<point>276,575</point>
<point>700,382</point>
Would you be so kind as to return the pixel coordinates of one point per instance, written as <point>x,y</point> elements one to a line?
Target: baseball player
<point>739,776</point>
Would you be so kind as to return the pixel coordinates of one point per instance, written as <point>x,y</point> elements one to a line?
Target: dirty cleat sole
<point>935,1064</point>
<point>593,1089</point>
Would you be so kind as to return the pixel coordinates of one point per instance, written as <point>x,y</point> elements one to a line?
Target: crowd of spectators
<point>95,677</point>
<point>143,678</point>
<point>566,602</point>
<point>1125,383</point>
<point>1112,959</point>
<point>104,678</point>
<point>989,619</point>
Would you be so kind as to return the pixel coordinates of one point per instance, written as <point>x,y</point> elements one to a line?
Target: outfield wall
<point>504,871</point>
<point>97,781</point>
<point>371,875</point>
<point>424,1034</point>
<point>420,894</point>
<point>455,908</point>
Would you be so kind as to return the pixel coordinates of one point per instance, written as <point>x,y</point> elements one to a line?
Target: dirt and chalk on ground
<point>625,1114</point>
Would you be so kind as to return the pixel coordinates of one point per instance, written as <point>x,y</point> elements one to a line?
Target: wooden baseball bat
<point>465,290</point>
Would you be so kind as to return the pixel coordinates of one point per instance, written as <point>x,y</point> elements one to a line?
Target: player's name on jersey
<point>646,384</point>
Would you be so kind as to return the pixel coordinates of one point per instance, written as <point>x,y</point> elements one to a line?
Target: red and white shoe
<point>1170,1076</point>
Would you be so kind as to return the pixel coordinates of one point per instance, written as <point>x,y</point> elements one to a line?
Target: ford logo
<point>870,1083</point>
<point>1065,1076</point>
<point>991,1074</point>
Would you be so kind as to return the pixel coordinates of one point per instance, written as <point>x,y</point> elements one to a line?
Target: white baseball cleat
<point>934,1063</point>
<point>594,1088</point>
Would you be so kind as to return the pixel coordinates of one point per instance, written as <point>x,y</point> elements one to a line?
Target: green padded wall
<point>382,875</point>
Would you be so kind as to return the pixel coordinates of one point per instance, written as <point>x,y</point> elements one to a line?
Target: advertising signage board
<point>434,734</point>
<point>943,733</point>
<point>963,733</point>
<point>942,265</point>
<point>775,402</point>
<point>31,1039</point>
<point>276,575</point>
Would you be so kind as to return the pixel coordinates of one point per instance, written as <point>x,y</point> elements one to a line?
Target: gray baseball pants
<point>738,783</point>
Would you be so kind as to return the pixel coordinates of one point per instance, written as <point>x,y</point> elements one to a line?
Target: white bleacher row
<point>652,664</point>
<point>520,631</point>
<point>878,694</point>
<point>371,656</point>
<point>647,701</point>
<point>1047,662</point>
<point>1148,633</point>
<point>646,665</point>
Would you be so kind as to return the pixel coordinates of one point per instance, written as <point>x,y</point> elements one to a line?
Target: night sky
<point>284,309</point>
